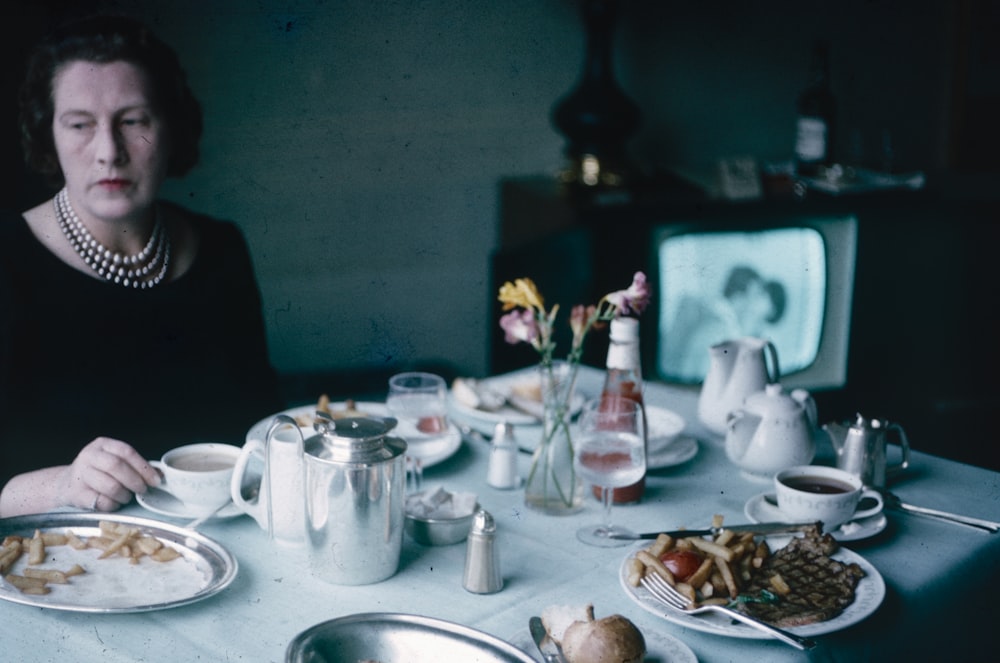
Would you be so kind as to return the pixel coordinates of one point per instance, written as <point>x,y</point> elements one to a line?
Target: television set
<point>787,278</point>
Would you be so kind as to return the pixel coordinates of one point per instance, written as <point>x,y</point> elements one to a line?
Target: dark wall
<point>924,348</point>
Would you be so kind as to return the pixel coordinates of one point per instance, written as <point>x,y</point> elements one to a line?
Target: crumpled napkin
<point>440,504</point>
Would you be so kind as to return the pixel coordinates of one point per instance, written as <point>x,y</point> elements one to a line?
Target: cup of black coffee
<point>816,492</point>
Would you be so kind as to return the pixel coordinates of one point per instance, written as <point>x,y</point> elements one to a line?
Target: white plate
<point>163,503</point>
<point>867,598</point>
<point>665,426</point>
<point>114,585</point>
<point>503,384</point>
<point>681,450</point>
<point>759,510</point>
<point>660,647</point>
<point>442,451</point>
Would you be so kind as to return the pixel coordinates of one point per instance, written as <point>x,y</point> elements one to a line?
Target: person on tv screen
<point>129,325</point>
<point>748,306</point>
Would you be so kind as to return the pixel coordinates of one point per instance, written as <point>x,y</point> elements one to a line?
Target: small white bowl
<point>439,531</point>
<point>665,426</point>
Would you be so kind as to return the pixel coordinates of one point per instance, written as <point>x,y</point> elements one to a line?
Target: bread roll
<point>612,639</point>
<point>557,618</point>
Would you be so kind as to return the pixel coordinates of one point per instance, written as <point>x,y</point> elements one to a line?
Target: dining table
<point>940,578</point>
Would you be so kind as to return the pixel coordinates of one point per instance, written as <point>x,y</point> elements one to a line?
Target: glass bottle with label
<point>624,380</point>
<point>814,136</point>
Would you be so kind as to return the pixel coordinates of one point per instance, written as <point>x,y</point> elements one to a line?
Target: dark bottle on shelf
<point>814,135</point>
<point>624,380</point>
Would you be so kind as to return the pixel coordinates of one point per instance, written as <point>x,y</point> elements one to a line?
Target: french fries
<point>115,539</point>
<point>36,549</point>
<point>729,560</point>
<point>27,585</point>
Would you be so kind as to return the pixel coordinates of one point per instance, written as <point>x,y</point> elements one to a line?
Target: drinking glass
<point>419,403</point>
<point>609,453</point>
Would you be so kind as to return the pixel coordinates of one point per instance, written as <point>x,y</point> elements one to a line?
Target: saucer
<point>163,503</point>
<point>441,451</point>
<point>680,450</point>
<point>759,510</point>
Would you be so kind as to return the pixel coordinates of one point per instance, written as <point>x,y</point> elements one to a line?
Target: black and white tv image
<point>789,282</point>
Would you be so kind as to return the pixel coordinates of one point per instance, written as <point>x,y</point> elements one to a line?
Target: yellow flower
<point>522,292</point>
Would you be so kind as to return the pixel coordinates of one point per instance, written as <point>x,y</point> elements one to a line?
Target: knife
<point>546,646</point>
<point>479,436</point>
<point>759,528</point>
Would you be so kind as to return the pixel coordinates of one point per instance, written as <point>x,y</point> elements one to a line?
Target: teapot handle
<point>775,376</point>
<point>254,507</point>
<point>260,508</point>
<point>904,445</point>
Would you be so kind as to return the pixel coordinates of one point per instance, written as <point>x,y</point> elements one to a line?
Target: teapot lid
<point>360,440</point>
<point>868,424</point>
<point>773,401</point>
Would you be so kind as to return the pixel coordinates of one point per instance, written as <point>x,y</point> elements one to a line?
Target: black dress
<point>80,358</point>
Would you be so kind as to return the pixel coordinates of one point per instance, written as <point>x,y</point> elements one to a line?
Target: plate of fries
<point>108,563</point>
<point>305,416</point>
<point>728,562</point>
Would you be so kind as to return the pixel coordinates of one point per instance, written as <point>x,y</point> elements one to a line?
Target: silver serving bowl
<point>391,638</point>
<point>439,531</point>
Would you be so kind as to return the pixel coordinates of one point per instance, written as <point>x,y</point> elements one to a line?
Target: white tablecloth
<point>940,577</point>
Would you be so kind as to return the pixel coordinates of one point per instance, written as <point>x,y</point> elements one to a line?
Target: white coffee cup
<point>815,492</point>
<point>199,474</point>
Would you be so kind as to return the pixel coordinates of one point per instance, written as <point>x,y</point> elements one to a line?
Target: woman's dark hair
<point>776,291</point>
<point>739,279</point>
<point>107,39</point>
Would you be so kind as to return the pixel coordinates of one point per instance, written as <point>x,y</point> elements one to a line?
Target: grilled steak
<point>819,588</point>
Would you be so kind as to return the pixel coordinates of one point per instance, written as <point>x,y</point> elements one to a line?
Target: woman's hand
<point>105,475</point>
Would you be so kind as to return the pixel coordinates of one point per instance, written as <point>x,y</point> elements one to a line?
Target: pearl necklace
<point>145,269</point>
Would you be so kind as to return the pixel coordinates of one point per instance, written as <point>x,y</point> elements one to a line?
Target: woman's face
<point>753,307</point>
<point>111,142</point>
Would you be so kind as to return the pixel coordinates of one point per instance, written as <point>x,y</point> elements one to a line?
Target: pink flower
<point>634,299</point>
<point>579,318</point>
<point>520,326</point>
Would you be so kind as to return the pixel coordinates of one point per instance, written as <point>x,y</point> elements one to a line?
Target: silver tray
<point>391,637</point>
<point>212,568</point>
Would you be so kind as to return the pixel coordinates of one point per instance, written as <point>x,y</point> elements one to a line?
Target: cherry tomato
<point>682,563</point>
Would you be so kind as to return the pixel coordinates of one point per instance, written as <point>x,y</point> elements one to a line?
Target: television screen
<point>789,282</point>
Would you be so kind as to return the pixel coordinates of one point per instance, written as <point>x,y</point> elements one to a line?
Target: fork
<point>666,593</point>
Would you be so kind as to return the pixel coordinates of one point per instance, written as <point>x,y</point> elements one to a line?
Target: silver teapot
<point>338,493</point>
<point>861,449</point>
<point>354,485</point>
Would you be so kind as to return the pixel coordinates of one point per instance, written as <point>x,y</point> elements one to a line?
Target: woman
<point>748,307</point>
<point>127,326</point>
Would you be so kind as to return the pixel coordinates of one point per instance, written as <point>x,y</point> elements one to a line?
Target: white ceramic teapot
<point>773,430</point>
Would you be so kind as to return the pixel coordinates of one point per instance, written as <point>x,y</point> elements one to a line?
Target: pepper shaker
<point>502,470</point>
<point>482,561</point>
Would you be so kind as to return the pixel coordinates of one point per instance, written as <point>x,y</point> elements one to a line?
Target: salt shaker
<point>502,470</point>
<point>482,561</point>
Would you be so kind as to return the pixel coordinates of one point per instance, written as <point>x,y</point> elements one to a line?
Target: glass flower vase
<point>553,486</point>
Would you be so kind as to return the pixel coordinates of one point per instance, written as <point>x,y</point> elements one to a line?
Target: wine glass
<point>610,452</point>
<point>419,403</point>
